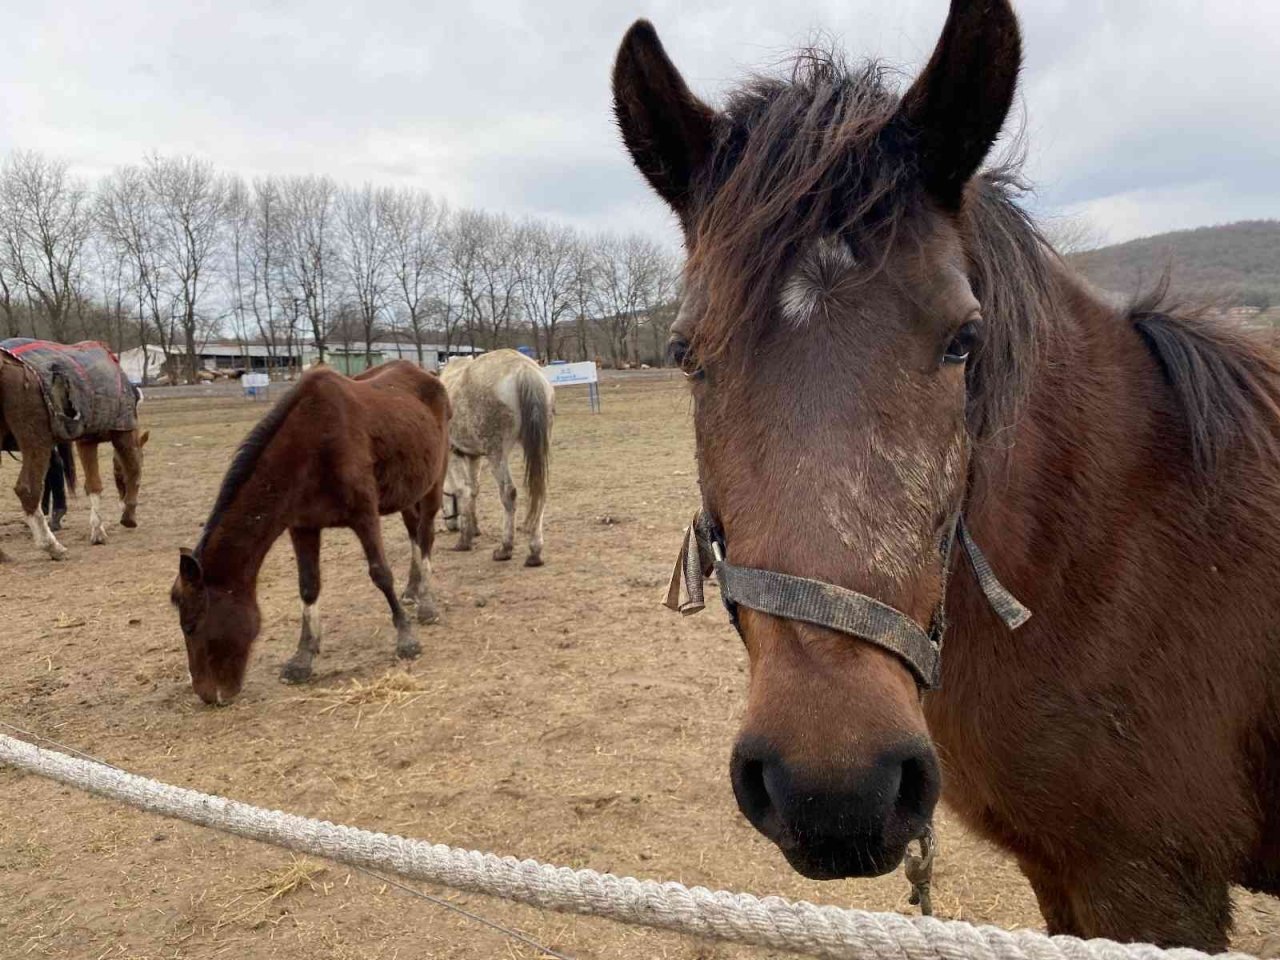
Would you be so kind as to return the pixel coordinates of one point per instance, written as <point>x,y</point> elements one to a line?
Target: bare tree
<point>10,284</point>
<point>583,292</point>
<point>623,270</point>
<point>546,263</point>
<point>126,215</point>
<point>484,260</point>
<point>363,255</point>
<point>414,228</point>
<point>660,301</point>
<point>466,238</point>
<point>45,225</point>
<point>262,256</point>
<point>189,199</point>
<point>117,285</point>
<point>1073,234</point>
<point>309,228</point>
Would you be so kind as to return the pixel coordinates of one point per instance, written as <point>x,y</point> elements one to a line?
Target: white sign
<point>256,385</point>
<point>569,374</point>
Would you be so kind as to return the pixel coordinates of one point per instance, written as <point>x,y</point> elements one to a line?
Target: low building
<point>354,357</point>
<point>227,357</point>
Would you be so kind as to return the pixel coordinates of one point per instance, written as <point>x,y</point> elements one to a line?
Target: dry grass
<point>277,885</point>
<point>396,688</point>
<point>559,713</point>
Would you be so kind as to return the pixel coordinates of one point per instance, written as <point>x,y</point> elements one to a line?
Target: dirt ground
<point>559,713</point>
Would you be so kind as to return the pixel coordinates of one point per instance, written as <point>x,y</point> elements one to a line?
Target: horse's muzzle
<point>855,823</point>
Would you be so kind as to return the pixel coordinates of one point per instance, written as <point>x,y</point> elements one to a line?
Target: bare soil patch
<point>558,713</point>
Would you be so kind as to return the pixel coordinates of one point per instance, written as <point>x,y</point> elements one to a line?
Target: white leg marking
<point>97,532</point>
<point>44,537</point>
<point>311,618</point>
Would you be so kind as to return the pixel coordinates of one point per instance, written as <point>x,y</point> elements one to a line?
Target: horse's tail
<point>68,465</point>
<point>535,435</point>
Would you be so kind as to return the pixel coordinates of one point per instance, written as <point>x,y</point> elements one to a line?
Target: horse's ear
<point>955,109</point>
<point>665,127</point>
<point>142,440</point>
<point>189,568</point>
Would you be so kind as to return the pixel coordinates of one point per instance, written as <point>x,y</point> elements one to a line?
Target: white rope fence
<point>798,927</point>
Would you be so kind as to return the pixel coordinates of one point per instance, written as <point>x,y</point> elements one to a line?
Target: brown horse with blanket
<point>52,393</point>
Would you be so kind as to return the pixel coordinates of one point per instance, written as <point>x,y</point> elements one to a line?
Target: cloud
<point>1146,114</point>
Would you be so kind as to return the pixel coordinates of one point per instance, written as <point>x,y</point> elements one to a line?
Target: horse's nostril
<point>751,781</point>
<point>918,785</point>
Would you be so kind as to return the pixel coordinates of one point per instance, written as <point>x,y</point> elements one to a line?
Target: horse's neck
<point>236,547</point>
<point>1045,486</point>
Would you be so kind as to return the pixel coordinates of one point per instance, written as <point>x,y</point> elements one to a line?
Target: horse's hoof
<point>409,650</point>
<point>502,553</point>
<point>128,521</point>
<point>58,552</point>
<point>427,613</point>
<point>98,538</point>
<point>451,525</point>
<point>533,560</point>
<point>295,673</point>
<point>460,547</point>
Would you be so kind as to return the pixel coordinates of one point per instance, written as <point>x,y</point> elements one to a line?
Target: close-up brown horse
<point>886,357</point>
<point>27,426</point>
<point>334,452</point>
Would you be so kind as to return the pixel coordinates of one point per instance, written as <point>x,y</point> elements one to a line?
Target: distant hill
<point>1235,265</point>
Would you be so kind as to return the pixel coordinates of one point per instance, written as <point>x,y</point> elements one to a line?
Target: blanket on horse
<point>84,388</point>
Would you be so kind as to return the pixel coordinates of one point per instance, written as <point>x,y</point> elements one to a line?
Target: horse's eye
<point>961,344</point>
<point>679,354</point>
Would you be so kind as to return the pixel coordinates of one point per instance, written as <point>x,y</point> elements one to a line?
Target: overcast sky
<point>1146,115</point>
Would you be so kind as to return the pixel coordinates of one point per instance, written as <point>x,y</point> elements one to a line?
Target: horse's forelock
<point>816,155</point>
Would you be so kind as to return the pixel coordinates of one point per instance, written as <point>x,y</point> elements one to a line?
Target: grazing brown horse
<point>880,343</point>
<point>25,425</point>
<point>334,452</point>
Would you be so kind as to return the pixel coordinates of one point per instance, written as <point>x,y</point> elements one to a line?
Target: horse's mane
<point>818,152</point>
<point>1226,380</point>
<point>245,461</point>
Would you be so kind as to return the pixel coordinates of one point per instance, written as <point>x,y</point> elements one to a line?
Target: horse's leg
<point>54,490</point>
<point>507,491</point>
<point>534,523</point>
<point>1169,903</point>
<point>306,548</point>
<point>414,583</point>
<point>418,590</point>
<point>129,464</point>
<point>467,505</point>
<point>423,539</point>
<point>35,464</point>
<point>1050,889</point>
<point>369,529</point>
<point>88,452</point>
